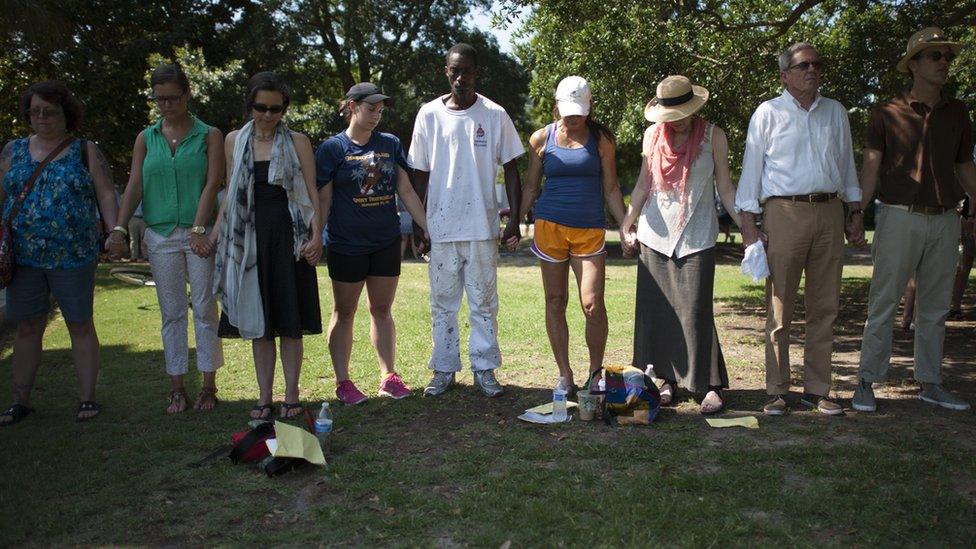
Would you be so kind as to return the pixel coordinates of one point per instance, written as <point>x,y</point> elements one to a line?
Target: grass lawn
<point>461,470</point>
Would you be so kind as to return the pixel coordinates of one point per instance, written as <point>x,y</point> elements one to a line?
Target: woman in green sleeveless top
<point>177,166</point>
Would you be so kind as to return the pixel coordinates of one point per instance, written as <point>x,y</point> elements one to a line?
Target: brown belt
<point>815,197</point>
<point>927,210</point>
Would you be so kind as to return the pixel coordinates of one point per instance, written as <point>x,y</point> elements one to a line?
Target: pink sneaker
<point>349,394</point>
<point>392,386</point>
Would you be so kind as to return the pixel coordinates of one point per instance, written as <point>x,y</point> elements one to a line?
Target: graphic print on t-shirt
<point>375,174</point>
<point>480,137</point>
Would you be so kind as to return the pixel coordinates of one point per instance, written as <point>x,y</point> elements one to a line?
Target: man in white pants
<point>458,142</point>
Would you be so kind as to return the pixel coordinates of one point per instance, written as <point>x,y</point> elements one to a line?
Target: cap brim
<point>902,66</point>
<point>571,108</point>
<point>375,98</point>
<point>655,112</point>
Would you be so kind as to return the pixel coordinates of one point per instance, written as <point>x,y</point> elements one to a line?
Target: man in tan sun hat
<point>799,170</point>
<point>917,156</point>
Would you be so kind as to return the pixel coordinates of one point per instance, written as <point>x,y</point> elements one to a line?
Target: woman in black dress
<point>268,240</point>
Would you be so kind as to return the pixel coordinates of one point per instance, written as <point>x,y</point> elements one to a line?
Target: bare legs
<point>380,291</point>
<point>590,280</point>
<point>265,351</point>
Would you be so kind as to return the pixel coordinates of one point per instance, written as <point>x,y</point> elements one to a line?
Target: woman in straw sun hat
<point>685,157</point>
<point>577,156</point>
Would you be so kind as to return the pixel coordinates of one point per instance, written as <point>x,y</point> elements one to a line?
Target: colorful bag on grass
<point>630,396</point>
<point>251,445</point>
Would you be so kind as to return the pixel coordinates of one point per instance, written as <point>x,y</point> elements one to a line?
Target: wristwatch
<point>198,229</point>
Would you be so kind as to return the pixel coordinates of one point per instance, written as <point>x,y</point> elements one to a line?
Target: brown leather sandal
<point>178,397</point>
<point>208,395</point>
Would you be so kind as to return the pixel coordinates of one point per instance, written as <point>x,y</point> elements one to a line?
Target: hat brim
<point>902,66</point>
<point>373,99</point>
<point>654,111</point>
<point>572,108</point>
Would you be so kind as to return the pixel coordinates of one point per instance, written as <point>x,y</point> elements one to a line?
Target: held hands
<point>854,229</point>
<point>312,249</point>
<point>512,234</point>
<point>116,246</point>
<point>751,234</point>
<point>421,241</point>
<point>628,240</point>
<point>203,245</point>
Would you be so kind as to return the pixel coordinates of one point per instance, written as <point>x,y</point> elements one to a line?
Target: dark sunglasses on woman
<point>273,109</point>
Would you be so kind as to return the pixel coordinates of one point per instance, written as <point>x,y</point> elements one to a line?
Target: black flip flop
<point>16,412</point>
<point>286,408</point>
<point>261,409</point>
<point>88,406</point>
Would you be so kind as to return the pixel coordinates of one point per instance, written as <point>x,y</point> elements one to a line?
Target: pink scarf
<point>669,166</point>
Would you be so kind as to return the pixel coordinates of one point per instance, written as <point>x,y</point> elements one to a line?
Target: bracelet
<point>858,211</point>
<point>121,229</point>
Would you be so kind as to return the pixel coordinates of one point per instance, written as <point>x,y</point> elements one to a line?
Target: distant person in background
<point>968,228</point>
<point>459,140</point>
<point>267,240</point>
<point>578,158</point>
<point>137,234</point>
<point>55,243</point>
<point>177,166</point>
<point>361,172</point>
<point>918,156</point>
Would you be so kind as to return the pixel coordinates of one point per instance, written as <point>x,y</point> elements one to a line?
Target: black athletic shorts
<point>355,268</point>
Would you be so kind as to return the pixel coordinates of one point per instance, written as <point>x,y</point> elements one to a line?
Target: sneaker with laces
<point>776,406</point>
<point>940,396</point>
<point>393,387</point>
<point>349,394</point>
<point>441,382</point>
<point>485,380</point>
<point>863,400</point>
<point>822,404</point>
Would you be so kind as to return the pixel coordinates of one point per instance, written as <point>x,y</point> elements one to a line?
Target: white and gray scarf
<point>235,272</point>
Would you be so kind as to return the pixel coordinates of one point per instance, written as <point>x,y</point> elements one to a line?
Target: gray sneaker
<point>441,382</point>
<point>863,400</point>
<point>485,380</point>
<point>938,395</point>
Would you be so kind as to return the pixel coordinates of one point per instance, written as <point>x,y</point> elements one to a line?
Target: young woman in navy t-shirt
<point>360,173</point>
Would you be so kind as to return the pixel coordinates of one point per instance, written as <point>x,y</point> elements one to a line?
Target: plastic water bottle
<point>559,395</point>
<point>323,425</point>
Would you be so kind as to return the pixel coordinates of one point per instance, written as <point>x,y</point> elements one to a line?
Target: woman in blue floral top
<point>55,241</point>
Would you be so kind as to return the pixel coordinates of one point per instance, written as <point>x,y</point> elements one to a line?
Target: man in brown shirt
<point>916,154</point>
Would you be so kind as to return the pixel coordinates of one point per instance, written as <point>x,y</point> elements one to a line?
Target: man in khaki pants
<point>916,154</point>
<point>799,165</point>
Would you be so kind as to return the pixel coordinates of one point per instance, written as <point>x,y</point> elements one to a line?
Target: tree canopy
<point>625,48</point>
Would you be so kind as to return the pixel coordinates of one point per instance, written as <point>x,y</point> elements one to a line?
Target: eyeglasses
<point>937,55</point>
<point>273,109</point>
<point>804,66</point>
<point>166,99</point>
<point>45,112</point>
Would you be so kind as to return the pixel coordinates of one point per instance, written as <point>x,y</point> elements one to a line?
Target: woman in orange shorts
<point>577,156</point>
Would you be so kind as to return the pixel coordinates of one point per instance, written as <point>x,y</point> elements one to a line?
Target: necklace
<point>263,138</point>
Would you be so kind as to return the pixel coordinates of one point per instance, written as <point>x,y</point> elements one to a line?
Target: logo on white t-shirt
<point>480,137</point>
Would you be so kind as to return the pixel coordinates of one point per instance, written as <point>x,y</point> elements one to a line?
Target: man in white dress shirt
<point>798,171</point>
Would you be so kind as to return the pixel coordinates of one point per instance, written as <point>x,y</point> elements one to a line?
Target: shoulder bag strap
<point>15,209</point>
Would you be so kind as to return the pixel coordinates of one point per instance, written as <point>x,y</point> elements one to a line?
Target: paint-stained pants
<point>471,267</point>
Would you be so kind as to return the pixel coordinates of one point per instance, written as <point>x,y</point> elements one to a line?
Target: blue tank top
<point>572,194</point>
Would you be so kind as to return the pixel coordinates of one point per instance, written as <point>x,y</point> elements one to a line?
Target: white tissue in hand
<point>754,263</point>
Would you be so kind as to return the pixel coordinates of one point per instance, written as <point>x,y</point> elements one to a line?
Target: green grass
<point>460,469</point>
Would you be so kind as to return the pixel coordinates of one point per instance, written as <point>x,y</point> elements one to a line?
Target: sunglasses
<point>166,99</point>
<point>936,56</point>
<point>805,66</point>
<point>273,109</point>
<point>44,112</point>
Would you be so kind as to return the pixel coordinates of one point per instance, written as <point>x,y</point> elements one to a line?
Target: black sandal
<point>16,412</point>
<point>87,406</point>
<point>718,391</point>
<point>265,411</point>
<point>672,388</point>
<point>286,409</point>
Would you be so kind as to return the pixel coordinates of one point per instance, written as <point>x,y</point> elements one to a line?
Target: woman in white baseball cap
<point>685,158</point>
<point>577,156</point>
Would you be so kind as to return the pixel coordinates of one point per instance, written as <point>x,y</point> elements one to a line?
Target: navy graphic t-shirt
<point>363,217</point>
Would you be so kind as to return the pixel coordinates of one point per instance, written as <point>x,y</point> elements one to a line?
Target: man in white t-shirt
<point>458,142</point>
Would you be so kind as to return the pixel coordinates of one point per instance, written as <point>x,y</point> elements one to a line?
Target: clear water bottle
<point>559,395</point>
<point>323,425</point>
